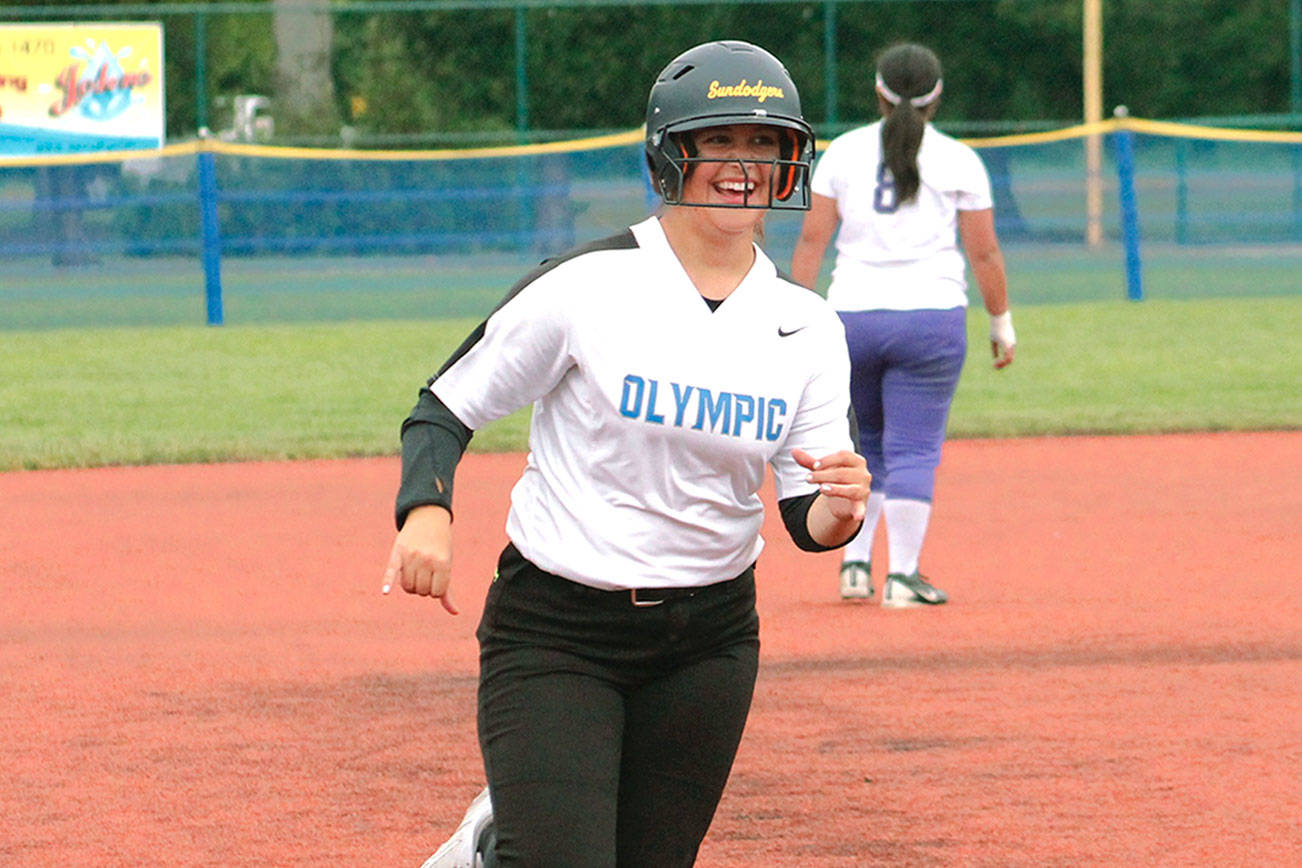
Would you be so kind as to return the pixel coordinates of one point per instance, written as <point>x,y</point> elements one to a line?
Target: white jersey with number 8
<point>895,256</point>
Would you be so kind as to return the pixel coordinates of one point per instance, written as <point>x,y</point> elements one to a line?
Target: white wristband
<point>1001,329</point>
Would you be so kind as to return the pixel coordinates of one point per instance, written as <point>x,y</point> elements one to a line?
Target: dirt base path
<point>197,668</point>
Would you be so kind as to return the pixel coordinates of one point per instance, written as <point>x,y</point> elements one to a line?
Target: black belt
<point>644,597</point>
<point>656,596</point>
<point>640,597</point>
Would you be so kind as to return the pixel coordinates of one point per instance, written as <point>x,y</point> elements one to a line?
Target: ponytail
<point>901,139</point>
<point>909,80</point>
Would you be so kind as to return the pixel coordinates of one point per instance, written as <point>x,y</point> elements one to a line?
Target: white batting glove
<point>1002,338</point>
<point>1001,330</point>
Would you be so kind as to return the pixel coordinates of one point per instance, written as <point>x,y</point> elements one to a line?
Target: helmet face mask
<point>788,187</point>
<point>722,84</point>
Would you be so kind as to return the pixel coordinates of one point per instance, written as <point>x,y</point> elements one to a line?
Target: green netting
<point>318,235</point>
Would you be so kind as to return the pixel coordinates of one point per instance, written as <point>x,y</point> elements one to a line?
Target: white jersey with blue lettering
<point>653,416</point>
<point>896,256</point>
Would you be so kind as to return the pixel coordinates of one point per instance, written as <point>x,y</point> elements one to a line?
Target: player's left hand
<point>842,479</point>
<point>1002,354</point>
<point>1003,339</point>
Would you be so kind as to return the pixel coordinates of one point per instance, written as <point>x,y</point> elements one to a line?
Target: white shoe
<point>462,850</point>
<point>856,580</point>
<point>901,591</point>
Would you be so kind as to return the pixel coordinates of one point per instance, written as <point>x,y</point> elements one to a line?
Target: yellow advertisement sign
<point>90,86</point>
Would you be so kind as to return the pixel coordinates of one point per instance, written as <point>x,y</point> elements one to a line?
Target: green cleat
<point>903,591</point>
<point>856,580</point>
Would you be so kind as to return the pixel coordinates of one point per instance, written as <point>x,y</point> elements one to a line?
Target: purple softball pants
<point>904,368</point>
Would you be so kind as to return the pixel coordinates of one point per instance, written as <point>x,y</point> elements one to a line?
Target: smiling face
<point>742,175</point>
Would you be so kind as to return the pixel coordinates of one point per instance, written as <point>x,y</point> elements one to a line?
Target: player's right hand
<point>421,558</point>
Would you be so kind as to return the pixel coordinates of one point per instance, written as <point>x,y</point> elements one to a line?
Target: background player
<point>667,366</point>
<point>900,189</point>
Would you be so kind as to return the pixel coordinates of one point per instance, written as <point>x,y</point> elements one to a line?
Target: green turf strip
<point>169,394</point>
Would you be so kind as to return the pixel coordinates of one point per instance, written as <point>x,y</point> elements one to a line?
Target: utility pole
<point>1093,82</point>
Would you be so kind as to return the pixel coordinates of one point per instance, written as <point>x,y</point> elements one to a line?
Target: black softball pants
<point>608,729</point>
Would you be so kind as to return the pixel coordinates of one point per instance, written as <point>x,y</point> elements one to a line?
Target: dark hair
<point>910,71</point>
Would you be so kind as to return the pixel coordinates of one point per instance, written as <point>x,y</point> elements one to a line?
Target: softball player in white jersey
<point>904,194</point>
<point>667,366</point>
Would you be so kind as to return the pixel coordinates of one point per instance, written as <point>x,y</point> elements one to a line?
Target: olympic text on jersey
<point>727,413</point>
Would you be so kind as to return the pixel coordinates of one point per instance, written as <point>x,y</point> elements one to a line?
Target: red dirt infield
<point>197,668</point>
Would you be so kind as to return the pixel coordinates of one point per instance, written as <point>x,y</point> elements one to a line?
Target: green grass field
<point>175,394</point>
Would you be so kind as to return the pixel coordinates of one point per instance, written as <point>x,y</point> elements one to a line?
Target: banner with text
<point>69,88</point>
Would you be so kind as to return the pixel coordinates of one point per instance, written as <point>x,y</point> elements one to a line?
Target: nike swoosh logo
<point>785,333</point>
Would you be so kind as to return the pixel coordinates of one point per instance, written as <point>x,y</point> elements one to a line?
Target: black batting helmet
<point>722,83</point>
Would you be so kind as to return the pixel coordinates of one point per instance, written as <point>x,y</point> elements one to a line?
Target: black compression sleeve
<point>433,441</point>
<point>795,510</point>
<point>795,515</point>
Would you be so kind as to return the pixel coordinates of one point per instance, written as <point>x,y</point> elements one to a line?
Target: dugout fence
<point>215,232</point>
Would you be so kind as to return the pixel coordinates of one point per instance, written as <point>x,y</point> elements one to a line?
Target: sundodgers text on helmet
<point>719,83</point>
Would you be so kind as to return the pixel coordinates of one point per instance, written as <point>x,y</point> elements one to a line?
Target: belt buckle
<point>632,593</point>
